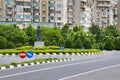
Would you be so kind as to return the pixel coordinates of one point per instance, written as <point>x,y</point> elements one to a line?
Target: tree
<point>50,35</point>
<point>10,45</point>
<point>13,34</point>
<point>31,33</point>
<point>78,44</point>
<point>112,30</point>
<point>61,42</point>
<point>65,28</point>
<point>3,42</point>
<point>94,29</point>
<point>69,43</point>
<point>109,45</point>
<point>117,43</point>
<point>87,44</point>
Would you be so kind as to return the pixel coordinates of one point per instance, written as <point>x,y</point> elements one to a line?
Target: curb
<point>58,54</point>
<point>35,63</point>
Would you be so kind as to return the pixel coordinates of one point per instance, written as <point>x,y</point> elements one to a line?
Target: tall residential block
<point>82,13</point>
<point>103,12</point>
<point>61,12</point>
<point>58,12</point>
<point>118,14</point>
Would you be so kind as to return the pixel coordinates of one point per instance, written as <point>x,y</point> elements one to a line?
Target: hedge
<point>11,51</point>
<point>35,60</point>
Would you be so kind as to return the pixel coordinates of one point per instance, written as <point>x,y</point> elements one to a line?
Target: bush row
<point>32,61</point>
<point>7,51</point>
<point>38,48</point>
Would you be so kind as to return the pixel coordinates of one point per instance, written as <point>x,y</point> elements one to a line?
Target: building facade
<point>82,13</point>
<point>103,12</point>
<point>118,24</point>
<point>60,12</point>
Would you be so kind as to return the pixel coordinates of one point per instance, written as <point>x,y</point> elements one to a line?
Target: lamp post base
<point>38,43</point>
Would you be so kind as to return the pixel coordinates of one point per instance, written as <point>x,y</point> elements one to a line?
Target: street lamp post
<point>96,36</point>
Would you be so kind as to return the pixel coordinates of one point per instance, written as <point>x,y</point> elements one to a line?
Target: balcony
<point>10,19</point>
<point>104,15</point>
<point>70,9</point>
<point>70,3</point>
<point>52,8</point>
<point>52,1</point>
<point>52,14</point>
<point>23,0</point>
<point>83,0</point>
<point>27,6</point>
<point>36,20</point>
<point>52,20</point>
<point>70,16</point>
<point>36,13</point>
<point>36,1</point>
<point>104,0</point>
<point>36,7</point>
<point>9,12</point>
<point>104,5</point>
<point>70,22</point>
<point>9,6</point>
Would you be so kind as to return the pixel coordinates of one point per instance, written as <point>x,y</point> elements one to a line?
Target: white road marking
<point>50,68</point>
<point>90,72</point>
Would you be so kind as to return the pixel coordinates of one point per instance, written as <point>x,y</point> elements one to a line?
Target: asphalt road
<point>104,67</point>
<point>9,59</point>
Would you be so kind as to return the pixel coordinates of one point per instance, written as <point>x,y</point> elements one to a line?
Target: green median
<point>31,61</point>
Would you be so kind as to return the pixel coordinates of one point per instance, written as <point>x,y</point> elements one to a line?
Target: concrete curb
<point>58,54</point>
<point>35,63</point>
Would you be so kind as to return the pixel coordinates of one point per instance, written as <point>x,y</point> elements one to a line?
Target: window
<point>58,18</point>
<point>0,2</point>
<point>0,16</point>
<point>19,9</point>
<point>59,5</point>
<point>9,2</point>
<point>37,17</point>
<point>0,9</point>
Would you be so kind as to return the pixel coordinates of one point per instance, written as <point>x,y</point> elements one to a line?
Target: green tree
<point>109,45</point>
<point>13,34</point>
<point>78,44</point>
<point>50,35</point>
<point>3,42</point>
<point>117,43</point>
<point>10,45</point>
<point>31,33</point>
<point>61,42</point>
<point>87,44</point>
<point>69,43</point>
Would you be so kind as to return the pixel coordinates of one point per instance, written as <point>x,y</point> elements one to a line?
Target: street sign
<point>62,47</point>
<point>22,54</point>
<point>29,54</point>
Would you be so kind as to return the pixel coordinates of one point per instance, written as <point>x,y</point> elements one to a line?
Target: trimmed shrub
<point>47,48</point>
<point>13,63</point>
<point>25,48</point>
<point>41,48</point>
<point>53,47</point>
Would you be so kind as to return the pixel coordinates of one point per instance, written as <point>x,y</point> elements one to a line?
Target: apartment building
<point>61,12</point>
<point>118,24</point>
<point>82,13</point>
<point>2,8</point>
<point>24,12</point>
<point>58,12</point>
<point>103,12</point>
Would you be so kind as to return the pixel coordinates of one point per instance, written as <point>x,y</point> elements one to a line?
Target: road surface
<point>105,67</point>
